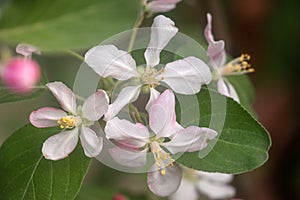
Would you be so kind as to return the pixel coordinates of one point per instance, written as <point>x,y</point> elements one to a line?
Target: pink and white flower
<point>156,6</point>
<point>183,76</point>
<point>216,52</point>
<point>163,138</point>
<point>71,120</point>
<point>212,185</point>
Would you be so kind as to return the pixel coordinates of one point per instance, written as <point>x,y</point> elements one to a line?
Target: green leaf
<point>93,192</point>
<point>242,144</point>
<point>25,174</point>
<point>244,89</point>
<point>89,192</point>
<point>61,25</point>
<point>7,96</point>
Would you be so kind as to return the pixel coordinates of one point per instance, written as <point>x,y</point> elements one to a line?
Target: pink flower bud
<point>119,197</point>
<point>20,75</point>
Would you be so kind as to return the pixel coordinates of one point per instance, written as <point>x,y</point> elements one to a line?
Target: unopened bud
<point>119,197</point>
<point>20,75</point>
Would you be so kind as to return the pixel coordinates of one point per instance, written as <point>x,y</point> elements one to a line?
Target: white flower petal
<point>46,117</point>
<point>108,60</point>
<point>95,106</point>
<point>129,158</point>
<point>156,6</point>
<point>64,96</point>
<point>216,177</point>
<point>190,139</point>
<point>135,135</point>
<point>162,31</point>
<point>225,88</point>
<point>127,95</point>
<point>91,143</point>
<point>232,92</point>
<point>216,49</point>
<point>215,190</point>
<point>187,75</point>
<point>154,94</point>
<point>59,146</point>
<point>162,116</point>
<point>187,190</point>
<point>164,185</point>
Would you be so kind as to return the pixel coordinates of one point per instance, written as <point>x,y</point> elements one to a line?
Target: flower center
<point>163,159</point>
<point>68,122</point>
<point>239,65</point>
<point>152,76</point>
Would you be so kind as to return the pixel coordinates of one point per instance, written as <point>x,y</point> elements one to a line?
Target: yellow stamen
<point>163,159</point>
<point>149,77</point>
<point>238,66</point>
<point>68,122</point>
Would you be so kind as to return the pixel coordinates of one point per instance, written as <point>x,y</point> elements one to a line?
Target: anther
<point>68,122</point>
<point>238,66</point>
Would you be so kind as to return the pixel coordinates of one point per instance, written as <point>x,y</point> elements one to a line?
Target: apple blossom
<point>137,140</point>
<point>21,74</point>
<point>216,52</point>
<point>183,76</point>
<point>71,120</point>
<point>212,185</point>
<point>156,6</point>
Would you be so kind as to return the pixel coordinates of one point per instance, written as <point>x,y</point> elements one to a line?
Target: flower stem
<point>73,53</point>
<point>135,114</point>
<point>137,24</point>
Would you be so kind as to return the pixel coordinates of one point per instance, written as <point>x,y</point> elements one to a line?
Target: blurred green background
<point>268,30</point>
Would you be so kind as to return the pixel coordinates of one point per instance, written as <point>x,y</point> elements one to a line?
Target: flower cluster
<point>162,137</point>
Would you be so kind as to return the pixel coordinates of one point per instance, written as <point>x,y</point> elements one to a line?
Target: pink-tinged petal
<point>190,139</point>
<point>26,50</point>
<point>167,184</point>
<point>216,177</point>
<point>162,116</point>
<point>162,31</point>
<point>64,96</point>
<point>216,49</point>
<point>187,75</point>
<point>59,146</point>
<point>46,117</point>
<point>187,190</point>
<point>108,60</point>
<point>154,94</point>
<point>127,95</point>
<point>216,52</point>
<point>157,7</point>
<point>91,143</point>
<point>162,5</point>
<point>225,88</point>
<point>215,189</point>
<point>135,135</point>
<point>129,158</point>
<point>95,106</point>
<point>232,92</point>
